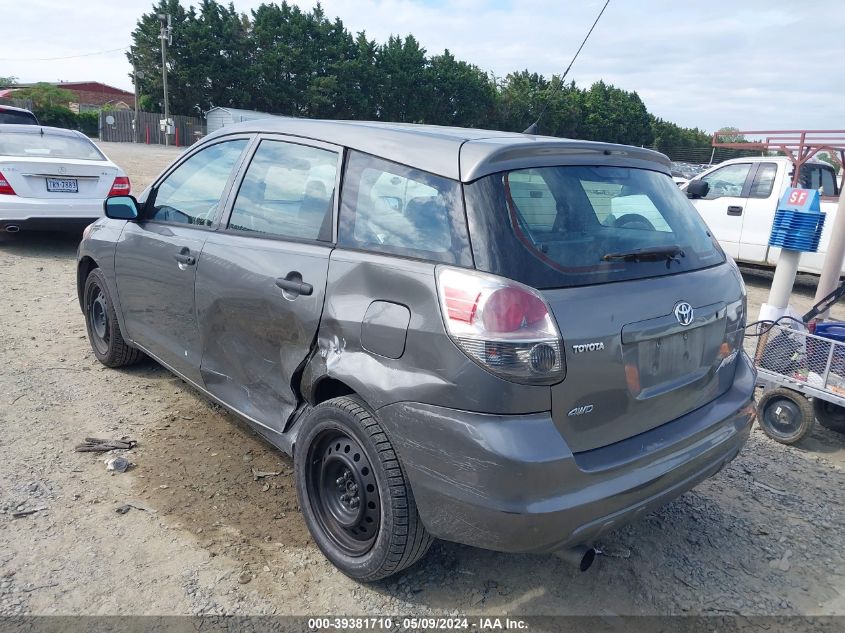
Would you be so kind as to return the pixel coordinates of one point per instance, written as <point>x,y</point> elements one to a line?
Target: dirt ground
<point>203,536</point>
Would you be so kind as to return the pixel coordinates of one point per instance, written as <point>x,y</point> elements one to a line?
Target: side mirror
<point>121,208</point>
<point>698,189</point>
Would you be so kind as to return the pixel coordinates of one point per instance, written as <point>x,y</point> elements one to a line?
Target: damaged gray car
<point>510,341</point>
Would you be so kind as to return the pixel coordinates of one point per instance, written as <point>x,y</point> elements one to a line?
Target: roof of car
<point>16,109</point>
<point>18,128</point>
<point>454,152</point>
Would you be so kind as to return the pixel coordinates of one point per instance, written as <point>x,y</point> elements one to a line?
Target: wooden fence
<point>117,125</point>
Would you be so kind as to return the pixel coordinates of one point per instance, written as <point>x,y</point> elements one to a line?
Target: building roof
<point>245,114</point>
<point>90,86</point>
<point>457,153</point>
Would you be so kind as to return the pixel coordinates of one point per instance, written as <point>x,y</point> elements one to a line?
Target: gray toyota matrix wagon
<point>510,341</point>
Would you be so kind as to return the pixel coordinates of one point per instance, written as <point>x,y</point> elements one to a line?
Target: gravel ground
<point>203,536</point>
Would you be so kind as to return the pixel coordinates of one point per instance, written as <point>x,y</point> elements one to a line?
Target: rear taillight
<point>734,332</point>
<point>5,187</point>
<point>502,325</point>
<point>120,187</point>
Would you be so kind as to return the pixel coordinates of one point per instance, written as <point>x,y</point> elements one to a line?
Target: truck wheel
<point>785,415</point>
<point>103,329</point>
<point>353,493</point>
<point>830,416</point>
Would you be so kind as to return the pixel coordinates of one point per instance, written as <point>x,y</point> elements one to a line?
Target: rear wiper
<point>669,253</point>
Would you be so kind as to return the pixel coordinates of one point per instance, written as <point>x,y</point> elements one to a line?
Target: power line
<point>53,59</point>
<point>534,128</point>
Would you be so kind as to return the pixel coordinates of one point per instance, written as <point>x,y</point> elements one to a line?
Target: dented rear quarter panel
<point>431,369</point>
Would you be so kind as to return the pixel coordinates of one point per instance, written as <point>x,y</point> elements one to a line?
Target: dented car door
<point>261,278</point>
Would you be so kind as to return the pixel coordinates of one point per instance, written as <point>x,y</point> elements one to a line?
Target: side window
<point>820,177</point>
<point>191,194</point>
<point>287,191</point>
<point>764,181</point>
<point>727,181</point>
<point>391,208</point>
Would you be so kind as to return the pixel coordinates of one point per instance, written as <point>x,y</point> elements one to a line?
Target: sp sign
<point>800,200</point>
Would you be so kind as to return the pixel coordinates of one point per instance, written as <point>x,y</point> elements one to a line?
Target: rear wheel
<point>785,415</point>
<point>830,416</point>
<point>101,322</point>
<point>353,493</point>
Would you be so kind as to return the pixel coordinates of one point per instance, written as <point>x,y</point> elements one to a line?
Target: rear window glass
<point>48,146</point>
<point>390,208</point>
<point>820,177</point>
<point>21,118</point>
<point>554,227</point>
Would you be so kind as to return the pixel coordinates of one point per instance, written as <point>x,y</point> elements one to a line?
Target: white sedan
<point>53,179</point>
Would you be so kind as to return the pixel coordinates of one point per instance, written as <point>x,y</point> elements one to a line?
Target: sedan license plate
<point>67,185</point>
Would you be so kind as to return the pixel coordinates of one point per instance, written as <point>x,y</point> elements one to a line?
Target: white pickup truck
<point>740,205</point>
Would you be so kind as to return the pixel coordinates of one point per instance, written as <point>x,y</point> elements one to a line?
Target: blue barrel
<point>833,331</point>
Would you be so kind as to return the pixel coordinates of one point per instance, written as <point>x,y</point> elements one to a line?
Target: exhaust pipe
<point>580,555</point>
<point>12,228</point>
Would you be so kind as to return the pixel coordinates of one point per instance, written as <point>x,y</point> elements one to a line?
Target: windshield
<point>48,146</point>
<point>553,227</point>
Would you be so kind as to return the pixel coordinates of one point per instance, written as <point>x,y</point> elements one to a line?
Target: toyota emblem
<point>684,313</point>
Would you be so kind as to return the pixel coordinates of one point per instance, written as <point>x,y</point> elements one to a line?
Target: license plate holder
<point>63,185</point>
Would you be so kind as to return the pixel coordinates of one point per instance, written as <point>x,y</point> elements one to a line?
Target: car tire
<point>830,416</point>
<point>785,415</point>
<point>353,492</point>
<point>103,328</point>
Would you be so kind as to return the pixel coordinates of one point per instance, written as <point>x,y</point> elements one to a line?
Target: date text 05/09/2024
<point>417,624</point>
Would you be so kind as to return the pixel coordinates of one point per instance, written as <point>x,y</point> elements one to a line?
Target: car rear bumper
<point>510,483</point>
<point>49,215</point>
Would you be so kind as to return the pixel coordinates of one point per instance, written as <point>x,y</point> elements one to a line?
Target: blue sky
<point>754,64</point>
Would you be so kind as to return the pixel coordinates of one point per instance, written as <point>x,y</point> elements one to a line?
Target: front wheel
<point>830,416</point>
<point>353,493</point>
<point>785,415</point>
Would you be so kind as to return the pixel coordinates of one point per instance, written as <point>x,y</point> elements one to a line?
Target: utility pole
<point>136,75</point>
<point>165,37</point>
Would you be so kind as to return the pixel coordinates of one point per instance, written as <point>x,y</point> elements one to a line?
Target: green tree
<point>287,60</point>
<point>460,93</point>
<point>301,61</point>
<point>730,134</point>
<point>211,59</point>
<point>521,97</point>
<point>668,135</point>
<point>831,159</point>
<point>50,104</point>
<point>403,92</point>
<point>145,55</point>
<point>361,81</point>
<point>8,82</point>
<point>45,95</point>
<point>616,116</point>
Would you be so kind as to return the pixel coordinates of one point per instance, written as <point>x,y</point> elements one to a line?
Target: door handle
<point>184,257</point>
<point>295,286</point>
<point>733,210</point>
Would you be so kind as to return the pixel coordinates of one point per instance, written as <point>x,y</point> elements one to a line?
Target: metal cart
<point>802,372</point>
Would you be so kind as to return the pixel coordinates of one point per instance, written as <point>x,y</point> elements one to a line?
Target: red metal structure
<point>798,145</point>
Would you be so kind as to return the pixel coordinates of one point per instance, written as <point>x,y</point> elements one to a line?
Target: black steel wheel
<point>785,415</point>
<point>353,493</point>
<point>98,316</point>
<point>830,416</point>
<point>343,487</point>
<point>102,325</point>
